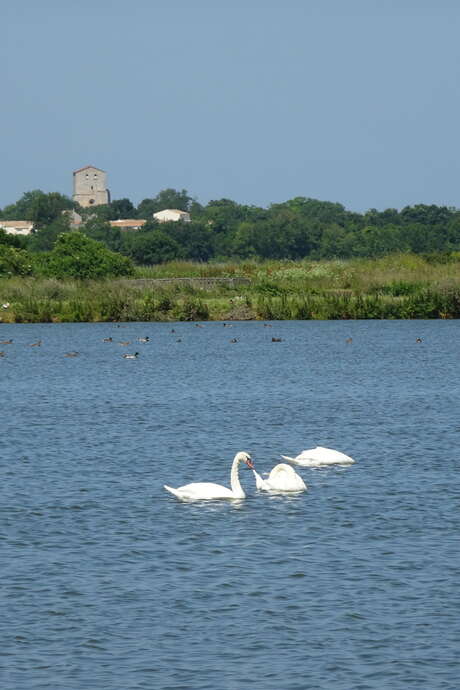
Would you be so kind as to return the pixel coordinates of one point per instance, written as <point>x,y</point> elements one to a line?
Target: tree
<point>426,215</point>
<point>38,207</point>
<point>101,230</point>
<point>151,247</point>
<point>146,209</point>
<point>324,211</point>
<point>224,214</point>
<point>43,239</point>
<point>196,239</point>
<point>167,198</point>
<point>121,208</point>
<point>15,261</point>
<point>101,211</point>
<point>18,241</point>
<point>76,256</point>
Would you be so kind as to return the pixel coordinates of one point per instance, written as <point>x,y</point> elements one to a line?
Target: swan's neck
<point>237,489</point>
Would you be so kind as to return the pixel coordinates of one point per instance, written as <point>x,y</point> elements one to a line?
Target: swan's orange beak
<point>249,463</point>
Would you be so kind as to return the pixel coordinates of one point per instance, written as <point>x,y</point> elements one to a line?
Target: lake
<point>108,581</point>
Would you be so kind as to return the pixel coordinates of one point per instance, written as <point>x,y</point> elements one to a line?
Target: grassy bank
<point>398,287</point>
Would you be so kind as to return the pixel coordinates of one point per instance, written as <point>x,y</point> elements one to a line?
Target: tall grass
<point>402,286</point>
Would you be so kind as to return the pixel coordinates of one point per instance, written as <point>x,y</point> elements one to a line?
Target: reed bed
<point>400,287</point>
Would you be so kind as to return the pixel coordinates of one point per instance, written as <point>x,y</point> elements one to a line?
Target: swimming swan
<point>319,456</point>
<point>282,478</point>
<point>206,490</point>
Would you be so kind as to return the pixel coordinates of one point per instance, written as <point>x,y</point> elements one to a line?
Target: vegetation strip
<point>396,287</point>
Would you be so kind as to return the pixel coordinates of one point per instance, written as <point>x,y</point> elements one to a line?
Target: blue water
<point>109,582</point>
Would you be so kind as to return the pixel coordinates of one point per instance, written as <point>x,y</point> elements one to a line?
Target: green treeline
<point>302,259</point>
<point>223,230</point>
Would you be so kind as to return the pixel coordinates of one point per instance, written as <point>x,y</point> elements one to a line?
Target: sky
<point>351,101</point>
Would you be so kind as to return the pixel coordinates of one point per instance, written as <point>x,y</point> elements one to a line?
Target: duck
<point>124,342</point>
<point>130,356</point>
<point>37,344</point>
<point>283,477</point>
<point>107,340</point>
<point>319,456</point>
<point>6,342</point>
<point>277,340</point>
<point>143,340</point>
<point>233,340</point>
<point>72,354</point>
<point>2,354</point>
<point>199,491</point>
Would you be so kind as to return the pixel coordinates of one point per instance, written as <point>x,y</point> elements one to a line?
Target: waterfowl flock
<point>142,339</point>
<point>282,478</point>
<point>146,339</point>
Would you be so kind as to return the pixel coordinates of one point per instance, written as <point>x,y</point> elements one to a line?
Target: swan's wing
<point>172,491</point>
<point>280,469</point>
<point>284,478</point>
<point>201,491</point>
<point>294,460</point>
<point>261,484</point>
<point>302,460</point>
<point>328,456</point>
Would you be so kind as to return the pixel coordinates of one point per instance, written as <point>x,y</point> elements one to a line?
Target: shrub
<point>15,261</point>
<point>76,256</point>
<point>192,310</point>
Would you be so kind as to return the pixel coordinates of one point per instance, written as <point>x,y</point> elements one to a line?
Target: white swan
<point>206,490</point>
<point>319,456</point>
<point>282,478</point>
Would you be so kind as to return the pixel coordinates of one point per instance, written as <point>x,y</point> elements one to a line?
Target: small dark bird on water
<point>37,344</point>
<point>2,354</point>
<point>349,340</point>
<point>72,354</point>
<point>133,356</point>
<point>234,340</point>
<point>6,342</point>
<point>107,340</point>
<point>277,340</point>
<point>418,340</point>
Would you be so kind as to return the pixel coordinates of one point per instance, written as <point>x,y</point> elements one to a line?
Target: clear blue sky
<point>355,101</point>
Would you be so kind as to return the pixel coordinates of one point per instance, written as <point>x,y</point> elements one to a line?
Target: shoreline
<point>397,287</point>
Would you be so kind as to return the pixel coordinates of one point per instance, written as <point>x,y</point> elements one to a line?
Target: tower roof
<point>86,167</point>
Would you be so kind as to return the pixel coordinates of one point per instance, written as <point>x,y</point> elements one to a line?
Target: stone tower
<point>90,186</point>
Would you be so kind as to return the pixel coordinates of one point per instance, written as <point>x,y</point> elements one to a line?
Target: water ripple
<point>109,582</point>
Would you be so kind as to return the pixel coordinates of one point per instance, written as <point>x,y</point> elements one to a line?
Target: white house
<point>17,227</point>
<point>172,214</point>
<point>128,223</point>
